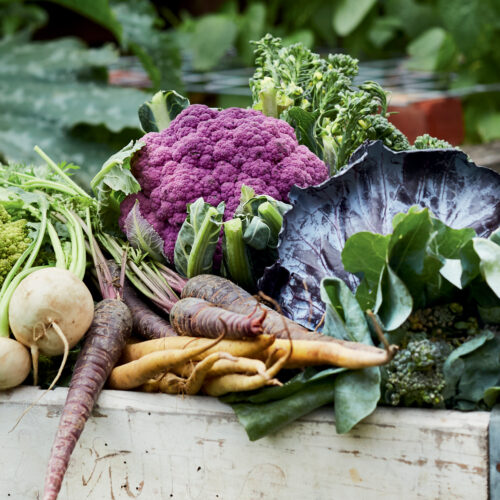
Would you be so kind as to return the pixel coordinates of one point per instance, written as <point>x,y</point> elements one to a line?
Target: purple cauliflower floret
<point>210,153</point>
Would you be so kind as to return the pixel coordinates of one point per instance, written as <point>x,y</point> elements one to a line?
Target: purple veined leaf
<point>141,234</point>
<point>376,185</point>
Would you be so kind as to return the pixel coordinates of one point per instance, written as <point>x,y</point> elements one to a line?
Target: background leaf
<point>347,16</point>
<point>55,94</point>
<point>212,37</point>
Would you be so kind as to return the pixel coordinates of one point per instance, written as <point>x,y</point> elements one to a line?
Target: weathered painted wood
<point>152,446</point>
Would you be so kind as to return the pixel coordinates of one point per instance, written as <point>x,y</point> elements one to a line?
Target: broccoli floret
<point>426,141</point>
<point>415,377</point>
<point>13,241</point>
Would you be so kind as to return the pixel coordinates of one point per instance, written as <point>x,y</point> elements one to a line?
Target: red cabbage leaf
<point>376,185</point>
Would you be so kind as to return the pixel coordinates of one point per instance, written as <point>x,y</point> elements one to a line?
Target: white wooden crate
<point>155,446</point>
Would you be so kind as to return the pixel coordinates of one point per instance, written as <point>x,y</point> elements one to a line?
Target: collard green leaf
<point>356,395</point>
<point>356,392</point>
<point>344,318</point>
<point>262,419</point>
<point>495,236</point>
<point>142,235</point>
<point>394,302</point>
<point>454,365</point>
<point>156,114</point>
<point>365,255</point>
<point>491,395</point>
<point>481,371</point>
<point>197,239</point>
<point>377,184</point>
<point>489,262</point>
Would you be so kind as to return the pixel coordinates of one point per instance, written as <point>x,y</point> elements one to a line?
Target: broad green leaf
<point>491,395</point>
<point>489,264</point>
<point>304,378</point>
<point>481,370</point>
<point>470,263</point>
<point>356,392</point>
<point>54,94</point>
<point>157,49</point>
<point>198,238</point>
<point>488,126</point>
<point>251,26</point>
<point>469,23</point>
<point>344,318</point>
<point>97,10</point>
<point>348,15</point>
<point>433,50</point>
<point>394,302</point>
<point>383,30</point>
<point>408,254</point>
<point>213,36</point>
<point>495,236</point>
<point>141,234</point>
<point>452,271</point>
<point>365,255</point>
<point>263,419</point>
<point>156,114</point>
<point>454,365</point>
<point>446,244</point>
<point>356,395</point>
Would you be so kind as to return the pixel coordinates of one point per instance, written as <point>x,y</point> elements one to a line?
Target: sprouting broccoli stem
<point>236,260</point>
<point>268,98</point>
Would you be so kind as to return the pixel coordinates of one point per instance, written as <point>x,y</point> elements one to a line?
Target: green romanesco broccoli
<point>14,241</point>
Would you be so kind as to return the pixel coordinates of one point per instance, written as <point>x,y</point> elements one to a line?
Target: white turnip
<point>49,312</point>
<point>15,363</point>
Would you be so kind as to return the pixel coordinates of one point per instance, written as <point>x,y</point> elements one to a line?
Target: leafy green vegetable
<point>267,410</point>
<point>155,115</point>
<point>356,393</point>
<point>197,239</point>
<point>113,183</point>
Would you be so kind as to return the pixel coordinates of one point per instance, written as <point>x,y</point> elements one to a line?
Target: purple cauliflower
<point>211,154</point>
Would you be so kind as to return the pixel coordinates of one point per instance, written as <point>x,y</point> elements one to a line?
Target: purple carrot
<point>102,347</point>
<point>197,317</point>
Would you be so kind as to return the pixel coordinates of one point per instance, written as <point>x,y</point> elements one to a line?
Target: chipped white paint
<point>150,446</point>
